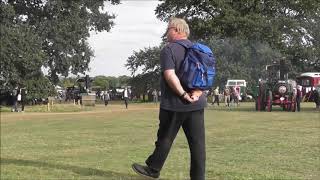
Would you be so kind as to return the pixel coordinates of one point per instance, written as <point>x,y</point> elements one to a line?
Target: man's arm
<point>174,83</point>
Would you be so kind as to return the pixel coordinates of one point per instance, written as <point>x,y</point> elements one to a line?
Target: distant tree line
<point>103,82</point>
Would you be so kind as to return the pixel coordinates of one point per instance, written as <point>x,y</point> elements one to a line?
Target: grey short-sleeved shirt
<point>171,57</point>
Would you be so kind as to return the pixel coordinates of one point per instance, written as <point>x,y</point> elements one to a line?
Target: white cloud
<point>136,27</point>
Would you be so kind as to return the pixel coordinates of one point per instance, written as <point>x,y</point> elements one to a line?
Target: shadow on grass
<point>83,171</point>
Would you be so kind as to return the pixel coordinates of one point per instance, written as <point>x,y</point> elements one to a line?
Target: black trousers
<point>216,99</point>
<point>22,105</point>
<point>126,102</point>
<point>193,127</point>
<point>298,100</point>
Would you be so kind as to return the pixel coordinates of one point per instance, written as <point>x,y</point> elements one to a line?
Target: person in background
<point>126,97</point>
<point>159,95</point>
<point>155,96</point>
<point>19,101</point>
<point>226,94</point>
<point>216,96</point>
<point>299,97</point>
<point>106,98</point>
<point>59,96</point>
<point>316,98</point>
<point>235,96</point>
<point>14,96</point>
<point>23,98</point>
<point>179,107</point>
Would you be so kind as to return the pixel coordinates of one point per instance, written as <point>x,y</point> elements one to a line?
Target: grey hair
<point>180,25</point>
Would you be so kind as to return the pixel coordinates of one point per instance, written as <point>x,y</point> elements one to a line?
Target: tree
<point>20,52</point>
<point>110,82</point>
<point>67,81</point>
<point>124,80</point>
<point>56,28</point>
<point>113,82</point>
<point>145,60</point>
<point>39,87</point>
<point>145,69</point>
<point>101,81</point>
<point>241,59</point>
<point>292,27</point>
<point>49,34</point>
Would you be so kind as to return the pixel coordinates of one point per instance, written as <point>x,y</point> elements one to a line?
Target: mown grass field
<point>102,143</point>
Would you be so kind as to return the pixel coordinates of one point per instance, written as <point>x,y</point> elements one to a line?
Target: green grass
<point>51,108</point>
<point>102,143</point>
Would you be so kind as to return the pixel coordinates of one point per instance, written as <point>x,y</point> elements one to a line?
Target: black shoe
<point>145,171</point>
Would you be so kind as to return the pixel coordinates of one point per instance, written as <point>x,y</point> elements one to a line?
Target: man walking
<point>23,98</point>
<point>179,107</point>
<point>216,96</point>
<point>155,96</point>
<point>299,97</point>
<point>226,94</point>
<point>126,96</point>
<point>14,96</point>
<point>106,97</point>
<point>316,98</point>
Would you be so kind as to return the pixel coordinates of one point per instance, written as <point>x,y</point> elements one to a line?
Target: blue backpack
<point>197,71</point>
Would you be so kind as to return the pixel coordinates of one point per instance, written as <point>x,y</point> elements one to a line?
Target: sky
<point>136,27</point>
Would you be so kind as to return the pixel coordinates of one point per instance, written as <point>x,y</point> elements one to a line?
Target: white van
<point>240,86</point>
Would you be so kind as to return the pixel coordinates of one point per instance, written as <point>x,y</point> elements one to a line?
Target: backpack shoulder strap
<point>202,48</point>
<point>183,44</point>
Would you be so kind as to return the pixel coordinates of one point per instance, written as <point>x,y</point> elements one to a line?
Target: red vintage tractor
<point>276,89</point>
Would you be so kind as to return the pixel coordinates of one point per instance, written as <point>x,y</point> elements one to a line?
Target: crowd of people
<point>230,96</point>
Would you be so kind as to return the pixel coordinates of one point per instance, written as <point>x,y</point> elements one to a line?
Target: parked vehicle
<point>308,81</point>
<point>276,89</point>
<point>240,86</point>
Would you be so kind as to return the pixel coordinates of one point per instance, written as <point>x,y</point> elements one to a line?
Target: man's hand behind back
<point>189,98</point>
<point>193,96</point>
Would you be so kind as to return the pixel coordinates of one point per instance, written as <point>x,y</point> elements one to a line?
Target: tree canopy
<point>21,50</point>
<point>49,33</point>
<point>110,82</point>
<point>244,35</point>
<point>239,59</point>
<point>145,68</point>
<point>292,27</point>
